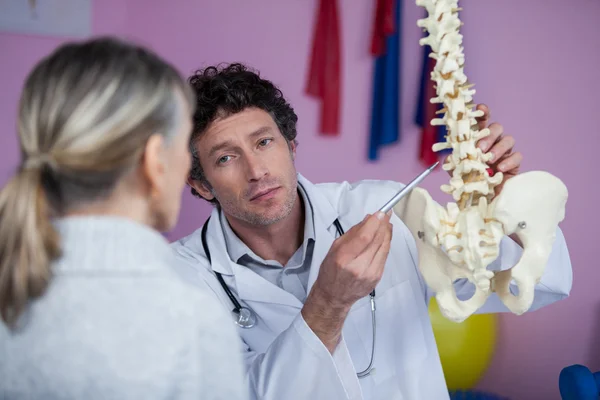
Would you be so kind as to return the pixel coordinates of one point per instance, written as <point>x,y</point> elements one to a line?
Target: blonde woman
<point>90,306</point>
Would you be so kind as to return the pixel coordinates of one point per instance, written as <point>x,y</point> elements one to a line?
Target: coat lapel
<point>325,231</point>
<point>324,238</point>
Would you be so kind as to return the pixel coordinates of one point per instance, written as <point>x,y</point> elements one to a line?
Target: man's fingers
<point>380,256</point>
<point>501,148</point>
<point>511,162</point>
<point>483,120</point>
<point>362,234</point>
<point>365,261</point>
<point>486,143</point>
<point>366,257</point>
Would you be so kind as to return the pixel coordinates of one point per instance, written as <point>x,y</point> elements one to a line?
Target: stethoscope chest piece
<point>244,318</point>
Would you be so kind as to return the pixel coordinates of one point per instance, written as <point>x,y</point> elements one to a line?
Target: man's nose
<point>255,167</point>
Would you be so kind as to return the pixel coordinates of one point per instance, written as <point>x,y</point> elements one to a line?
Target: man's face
<point>249,166</point>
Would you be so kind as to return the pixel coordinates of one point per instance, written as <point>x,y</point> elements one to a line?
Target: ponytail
<point>28,242</point>
<point>85,115</point>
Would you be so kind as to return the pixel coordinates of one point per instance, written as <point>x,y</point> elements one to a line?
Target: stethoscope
<point>246,318</point>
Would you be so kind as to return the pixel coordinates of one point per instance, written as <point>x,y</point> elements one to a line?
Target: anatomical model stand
<point>461,240</point>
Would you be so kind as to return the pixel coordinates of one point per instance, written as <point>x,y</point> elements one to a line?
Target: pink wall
<point>535,63</point>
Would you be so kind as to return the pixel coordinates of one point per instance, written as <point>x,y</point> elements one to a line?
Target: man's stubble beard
<point>257,219</point>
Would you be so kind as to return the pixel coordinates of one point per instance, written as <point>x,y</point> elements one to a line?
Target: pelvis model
<point>461,240</point>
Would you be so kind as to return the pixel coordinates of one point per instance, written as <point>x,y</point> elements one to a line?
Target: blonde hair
<point>85,115</point>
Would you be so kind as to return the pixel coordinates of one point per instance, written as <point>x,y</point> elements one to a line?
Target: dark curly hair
<point>228,89</point>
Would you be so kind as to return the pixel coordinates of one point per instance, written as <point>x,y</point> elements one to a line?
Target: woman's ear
<point>153,163</point>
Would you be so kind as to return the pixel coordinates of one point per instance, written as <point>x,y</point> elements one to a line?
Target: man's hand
<point>354,264</point>
<point>351,270</point>
<point>501,146</point>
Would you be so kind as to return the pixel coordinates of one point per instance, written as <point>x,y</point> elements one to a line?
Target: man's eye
<point>223,159</point>
<point>264,142</point>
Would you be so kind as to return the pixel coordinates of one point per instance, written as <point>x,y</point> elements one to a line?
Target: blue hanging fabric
<point>385,107</point>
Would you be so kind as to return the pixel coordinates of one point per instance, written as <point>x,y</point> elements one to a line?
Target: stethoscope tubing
<point>249,320</point>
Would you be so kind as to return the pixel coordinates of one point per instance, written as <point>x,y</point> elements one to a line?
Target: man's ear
<point>293,149</point>
<point>202,188</point>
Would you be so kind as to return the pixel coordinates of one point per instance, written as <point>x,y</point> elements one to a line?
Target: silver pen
<point>406,189</point>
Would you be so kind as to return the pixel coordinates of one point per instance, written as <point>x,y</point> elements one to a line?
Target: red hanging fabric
<point>383,26</point>
<point>429,133</point>
<point>324,76</point>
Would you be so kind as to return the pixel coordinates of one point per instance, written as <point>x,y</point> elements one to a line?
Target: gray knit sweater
<point>117,323</point>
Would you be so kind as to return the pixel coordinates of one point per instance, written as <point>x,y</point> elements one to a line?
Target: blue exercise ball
<point>577,382</point>
<point>473,395</point>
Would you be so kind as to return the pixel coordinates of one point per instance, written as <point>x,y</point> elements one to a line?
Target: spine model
<point>470,178</point>
<point>469,234</point>
<point>463,239</point>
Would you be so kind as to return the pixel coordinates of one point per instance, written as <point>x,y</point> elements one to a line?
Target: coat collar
<point>252,287</point>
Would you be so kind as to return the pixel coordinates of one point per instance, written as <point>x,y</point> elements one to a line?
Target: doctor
<point>273,251</point>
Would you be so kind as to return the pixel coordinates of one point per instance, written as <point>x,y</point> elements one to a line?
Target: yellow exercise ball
<point>465,348</point>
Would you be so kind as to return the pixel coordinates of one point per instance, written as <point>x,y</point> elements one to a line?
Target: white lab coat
<point>285,359</point>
